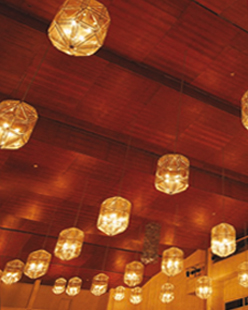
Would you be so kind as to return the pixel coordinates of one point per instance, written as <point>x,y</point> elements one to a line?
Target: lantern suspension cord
<point>49,227</point>
<point>35,74</point>
<point>223,187</point>
<point>81,202</point>
<point>180,102</point>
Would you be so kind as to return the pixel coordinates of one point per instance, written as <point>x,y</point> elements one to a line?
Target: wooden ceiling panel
<point>216,6</point>
<point>196,40</point>
<point>226,75</point>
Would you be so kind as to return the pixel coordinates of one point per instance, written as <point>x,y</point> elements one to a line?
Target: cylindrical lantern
<point>136,295</point>
<point>172,175</point>
<point>167,293</point>
<point>17,121</point>
<point>69,244</point>
<point>114,216</point>
<point>119,293</point>
<point>223,240</point>
<point>133,273</point>
<point>80,27</point>
<point>74,286</point>
<point>244,110</point>
<point>172,261</point>
<point>99,284</point>
<point>37,264</point>
<point>59,286</point>
<point>12,272</point>
<point>243,274</point>
<point>204,287</point>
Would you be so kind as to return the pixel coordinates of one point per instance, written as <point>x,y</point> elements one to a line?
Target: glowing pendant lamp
<point>80,27</point>
<point>17,121</point>
<point>119,293</point>
<point>172,261</point>
<point>136,295</point>
<point>204,287</point>
<point>114,216</point>
<point>167,293</point>
<point>37,264</point>
<point>243,274</point>
<point>12,272</point>
<point>172,175</point>
<point>223,240</point>
<point>59,286</point>
<point>69,244</point>
<point>99,284</point>
<point>74,286</point>
<point>133,273</point>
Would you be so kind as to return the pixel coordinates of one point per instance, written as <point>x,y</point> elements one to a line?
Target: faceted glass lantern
<point>244,110</point>
<point>37,264</point>
<point>114,216</point>
<point>167,293</point>
<point>59,286</point>
<point>204,287</point>
<point>172,175</point>
<point>172,261</point>
<point>99,284</point>
<point>74,286</point>
<point>17,121</point>
<point>12,272</point>
<point>243,274</point>
<point>69,244</point>
<point>136,295</point>
<point>223,240</point>
<point>119,293</point>
<point>133,273</point>
<point>80,27</point>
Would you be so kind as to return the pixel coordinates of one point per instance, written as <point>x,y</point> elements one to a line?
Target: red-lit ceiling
<point>106,119</point>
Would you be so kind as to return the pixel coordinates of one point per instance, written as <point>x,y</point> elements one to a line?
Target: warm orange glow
<point>59,286</point>
<point>99,284</point>
<point>80,27</point>
<point>136,295</point>
<point>223,240</point>
<point>204,287</point>
<point>74,286</point>
<point>167,293</point>
<point>17,121</point>
<point>243,274</point>
<point>69,244</point>
<point>12,272</point>
<point>37,264</point>
<point>119,293</point>
<point>172,261</point>
<point>133,273</point>
<point>114,216</point>
<point>172,175</point>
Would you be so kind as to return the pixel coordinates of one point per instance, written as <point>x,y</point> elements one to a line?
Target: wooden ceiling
<point>104,121</point>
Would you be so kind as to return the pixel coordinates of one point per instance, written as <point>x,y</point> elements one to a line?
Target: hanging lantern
<point>17,121</point>
<point>119,293</point>
<point>133,273</point>
<point>74,286</point>
<point>167,293</point>
<point>59,286</point>
<point>12,272</point>
<point>80,27</point>
<point>244,110</point>
<point>99,284</point>
<point>172,261</point>
<point>37,264</point>
<point>172,175</point>
<point>151,243</point>
<point>114,216</point>
<point>69,244</point>
<point>223,240</point>
<point>136,295</point>
<point>204,287</point>
<point>243,274</point>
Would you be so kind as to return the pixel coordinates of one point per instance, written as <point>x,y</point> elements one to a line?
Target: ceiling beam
<point>135,67</point>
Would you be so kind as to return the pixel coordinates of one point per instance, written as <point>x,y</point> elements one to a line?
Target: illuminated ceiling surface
<point>105,120</point>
